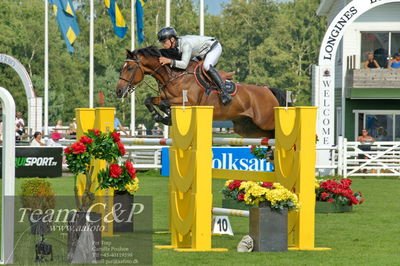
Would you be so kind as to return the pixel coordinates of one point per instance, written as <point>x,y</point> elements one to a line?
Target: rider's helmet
<point>166,34</point>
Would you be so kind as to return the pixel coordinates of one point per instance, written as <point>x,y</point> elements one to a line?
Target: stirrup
<point>225,98</point>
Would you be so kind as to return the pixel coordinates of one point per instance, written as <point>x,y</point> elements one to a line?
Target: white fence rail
<point>348,158</point>
<point>381,158</point>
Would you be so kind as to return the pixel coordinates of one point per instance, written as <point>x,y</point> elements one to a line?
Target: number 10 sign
<point>222,225</point>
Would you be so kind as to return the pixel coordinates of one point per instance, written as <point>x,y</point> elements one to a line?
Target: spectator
<point>54,140</point>
<point>37,140</point>
<point>366,142</point>
<point>395,62</point>
<point>59,127</point>
<point>371,62</point>
<point>382,134</point>
<point>19,126</point>
<point>72,127</point>
<point>156,129</point>
<point>118,126</point>
<point>365,138</point>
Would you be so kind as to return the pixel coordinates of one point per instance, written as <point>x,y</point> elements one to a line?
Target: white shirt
<point>19,121</point>
<point>52,143</point>
<point>35,143</point>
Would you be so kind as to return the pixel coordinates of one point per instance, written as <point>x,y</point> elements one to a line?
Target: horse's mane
<point>172,53</point>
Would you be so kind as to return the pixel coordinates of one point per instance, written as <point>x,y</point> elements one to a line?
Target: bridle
<point>131,88</point>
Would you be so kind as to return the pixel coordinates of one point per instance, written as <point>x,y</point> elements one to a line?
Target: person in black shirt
<point>371,62</point>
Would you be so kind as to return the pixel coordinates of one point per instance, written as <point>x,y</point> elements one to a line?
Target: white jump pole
<point>242,141</point>
<point>218,141</point>
<point>8,174</point>
<point>230,212</point>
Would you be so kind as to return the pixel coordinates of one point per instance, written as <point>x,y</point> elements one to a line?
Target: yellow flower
<point>227,183</point>
<point>132,187</point>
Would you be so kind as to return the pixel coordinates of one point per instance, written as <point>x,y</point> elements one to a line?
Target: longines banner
<point>327,56</point>
<point>37,161</point>
<point>232,158</point>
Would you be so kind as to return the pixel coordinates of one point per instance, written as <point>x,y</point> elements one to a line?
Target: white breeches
<point>212,57</point>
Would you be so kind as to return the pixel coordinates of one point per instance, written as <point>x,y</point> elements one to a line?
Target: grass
<point>367,236</point>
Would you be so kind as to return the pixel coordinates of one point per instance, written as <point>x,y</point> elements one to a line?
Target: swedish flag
<point>117,19</point>
<point>139,19</point>
<point>66,19</point>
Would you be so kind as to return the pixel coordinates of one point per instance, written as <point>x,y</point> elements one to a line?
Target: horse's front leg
<point>149,103</point>
<point>165,106</point>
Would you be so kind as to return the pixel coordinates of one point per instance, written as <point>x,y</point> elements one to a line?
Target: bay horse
<point>251,109</point>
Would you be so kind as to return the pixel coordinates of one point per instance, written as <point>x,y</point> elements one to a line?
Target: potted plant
<point>125,184</point>
<point>37,197</point>
<point>269,221</point>
<point>336,195</point>
<point>80,157</point>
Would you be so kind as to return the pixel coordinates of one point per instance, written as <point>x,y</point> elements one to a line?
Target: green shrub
<point>37,194</point>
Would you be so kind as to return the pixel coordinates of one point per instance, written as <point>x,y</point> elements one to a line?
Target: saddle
<point>205,82</point>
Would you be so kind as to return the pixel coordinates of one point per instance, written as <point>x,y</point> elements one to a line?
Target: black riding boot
<point>225,97</point>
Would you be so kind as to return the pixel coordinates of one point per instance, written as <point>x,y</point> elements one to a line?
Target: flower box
<point>233,204</point>
<point>125,201</point>
<point>331,207</point>
<point>336,195</point>
<point>268,228</point>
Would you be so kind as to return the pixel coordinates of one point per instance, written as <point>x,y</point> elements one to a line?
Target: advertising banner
<point>37,161</point>
<point>233,158</point>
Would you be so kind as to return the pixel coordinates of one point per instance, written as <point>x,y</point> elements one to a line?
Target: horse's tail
<point>280,95</point>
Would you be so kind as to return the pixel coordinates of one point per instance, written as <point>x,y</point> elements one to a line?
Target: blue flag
<point>66,19</point>
<point>117,19</point>
<point>139,19</point>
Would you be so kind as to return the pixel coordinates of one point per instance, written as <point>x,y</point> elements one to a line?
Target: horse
<point>251,109</point>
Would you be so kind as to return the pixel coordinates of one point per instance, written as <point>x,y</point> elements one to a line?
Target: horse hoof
<point>166,121</point>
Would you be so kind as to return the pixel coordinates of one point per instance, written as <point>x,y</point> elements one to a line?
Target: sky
<point>214,6</point>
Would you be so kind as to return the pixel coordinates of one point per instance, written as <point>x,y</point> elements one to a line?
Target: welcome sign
<point>232,158</point>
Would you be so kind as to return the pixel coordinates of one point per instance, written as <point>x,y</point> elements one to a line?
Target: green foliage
<point>37,194</point>
<point>264,41</point>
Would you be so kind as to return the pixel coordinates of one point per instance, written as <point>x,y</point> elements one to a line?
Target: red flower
<point>331,200</point>
<point>131,170</point>
<point>361,201</point>
<point>67,150</point>
<point>252,148</point>
<point>95,131</point>
<point>353,200</point>
<point>121,148</point>
<point>115,170</point>
<point>241,196</point>
<point>235,184</point>
<point>324,195</point>
<point>267,184</point>
<point>116,136</point>
<point>86,140</point>
<point>78,148</point>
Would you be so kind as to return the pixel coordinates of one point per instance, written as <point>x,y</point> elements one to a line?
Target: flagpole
<point>133,97</point>
<point>91,55</point>
<point>167,24</point>
<point>202,17</point>
<point>46,67</point>
<point>168,13</point>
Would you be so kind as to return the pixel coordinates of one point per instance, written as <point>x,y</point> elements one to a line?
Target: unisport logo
<point>35,161</point>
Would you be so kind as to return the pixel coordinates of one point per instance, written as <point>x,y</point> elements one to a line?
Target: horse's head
<point>131,74</point>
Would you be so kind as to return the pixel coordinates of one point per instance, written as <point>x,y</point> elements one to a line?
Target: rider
<point>193,46</point>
